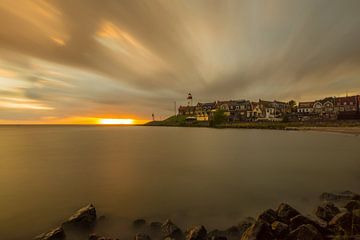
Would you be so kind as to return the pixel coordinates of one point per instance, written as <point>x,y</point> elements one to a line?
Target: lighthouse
<point>189,98</point>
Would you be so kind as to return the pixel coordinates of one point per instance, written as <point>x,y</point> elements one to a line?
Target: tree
<point>218,118</point>
<point>293,105</point>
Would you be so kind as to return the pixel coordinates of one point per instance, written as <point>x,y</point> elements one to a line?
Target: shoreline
<point>341,127</point>
<point>355,131</point>
<point>337,216</point>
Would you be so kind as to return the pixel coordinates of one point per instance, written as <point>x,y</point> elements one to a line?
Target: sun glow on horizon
<point>116,121</point>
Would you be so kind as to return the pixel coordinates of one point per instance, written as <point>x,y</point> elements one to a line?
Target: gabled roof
<point>306,104</point>
<point>347,99</point>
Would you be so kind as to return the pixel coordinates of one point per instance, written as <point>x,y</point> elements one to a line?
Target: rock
<point>260,230</point>
<point>356,222</point>
<point>139,223</point>
<point>216,234</point>
<point>84,217</point>
<point>305,232</point>
<point>268,216</point>
<point>280,229</point>
<point>155,227</point>
<point>346,195</point>
<point>170,230</point>
<point>285,212</point>
<point>299,220</point>
<point>96,237</point>
<point>244,225</point>
<point>342,223</point>
<point>141,236</point>
<point>352,205</point>
<point>327,211</point>
<point>55,234</point>
<point>233,231</point>
<point>217,238</point>
<point>197,233</point>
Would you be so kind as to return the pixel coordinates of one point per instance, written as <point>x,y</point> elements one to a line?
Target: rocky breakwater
<point>337,217</point>
<point>82,219</point>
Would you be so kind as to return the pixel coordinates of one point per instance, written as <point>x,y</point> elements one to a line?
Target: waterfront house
<point>203,110</point>
<point>305,108</point>
<point>267,110</point>
<point>347,107</point>
<point>187,110</point>
<point>255,111</point>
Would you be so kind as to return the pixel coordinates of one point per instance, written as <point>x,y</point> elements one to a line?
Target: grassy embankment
<point>179,121</point>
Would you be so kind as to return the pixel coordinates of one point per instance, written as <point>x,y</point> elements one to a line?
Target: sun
<point>116,121</point>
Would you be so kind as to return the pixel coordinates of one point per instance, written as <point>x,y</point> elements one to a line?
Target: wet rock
<point>352,205</point>
<point>342,223</point>
<point>268,216</point>
<point>217,238</point>
<point>84,217</point>
<point>197,233</point>
<point>260,230</point>
<point>139,223</point>
<point>97,237</point>
<point>217,234</point>
<point>244,225</point>
<point>233,231</point>
<point>170,230</point>
<point>356,222</point>
<point>327,211</point>
<point>346,195</point>
<point>141,236</point>
<point>305,232</point>
<point>155,228</point>
<point>319,224</point>
<point>285,212</point>
<point>55,234</point>
<point>280,229</point>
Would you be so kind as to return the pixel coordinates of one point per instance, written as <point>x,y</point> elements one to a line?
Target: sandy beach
<point>343,130</point>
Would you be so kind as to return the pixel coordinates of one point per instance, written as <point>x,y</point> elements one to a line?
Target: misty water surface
<point>208,176</point>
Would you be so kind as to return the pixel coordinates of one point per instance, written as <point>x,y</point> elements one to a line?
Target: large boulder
<point>244,225</point>
<point>352,205</point>
<point>268,216</point>
<point>139,223</point>
<point>217,234</point>
<point>55,234</point>
<point>196,233</point>
<point>97,237</point>
<point>342,223</point>
<point>84,217</point>
<point>356,222</point>
<point>260,230</point>
<point>141,236</point>
<point>327,211</point>
<point>285,212</point>
<point>339,196</point>
<point>280,229</point>
<point>305,232</point>
<point>319,224</point>
<point>170,230</point>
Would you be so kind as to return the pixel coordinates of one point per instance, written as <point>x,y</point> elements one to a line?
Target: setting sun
<point>116,121</point>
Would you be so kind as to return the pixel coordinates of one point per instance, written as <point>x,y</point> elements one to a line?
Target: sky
<point>74,61</point>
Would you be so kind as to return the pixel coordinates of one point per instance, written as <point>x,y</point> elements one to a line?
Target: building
<point>203,110</point>
<point>236,110</point>
<point>305,108</point>
<point>347,107</point>
<point>187,110</point>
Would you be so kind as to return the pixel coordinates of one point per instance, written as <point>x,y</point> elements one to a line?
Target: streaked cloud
<point>65,59</point>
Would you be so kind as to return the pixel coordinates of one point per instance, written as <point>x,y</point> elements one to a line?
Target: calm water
<point>209,176</point>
